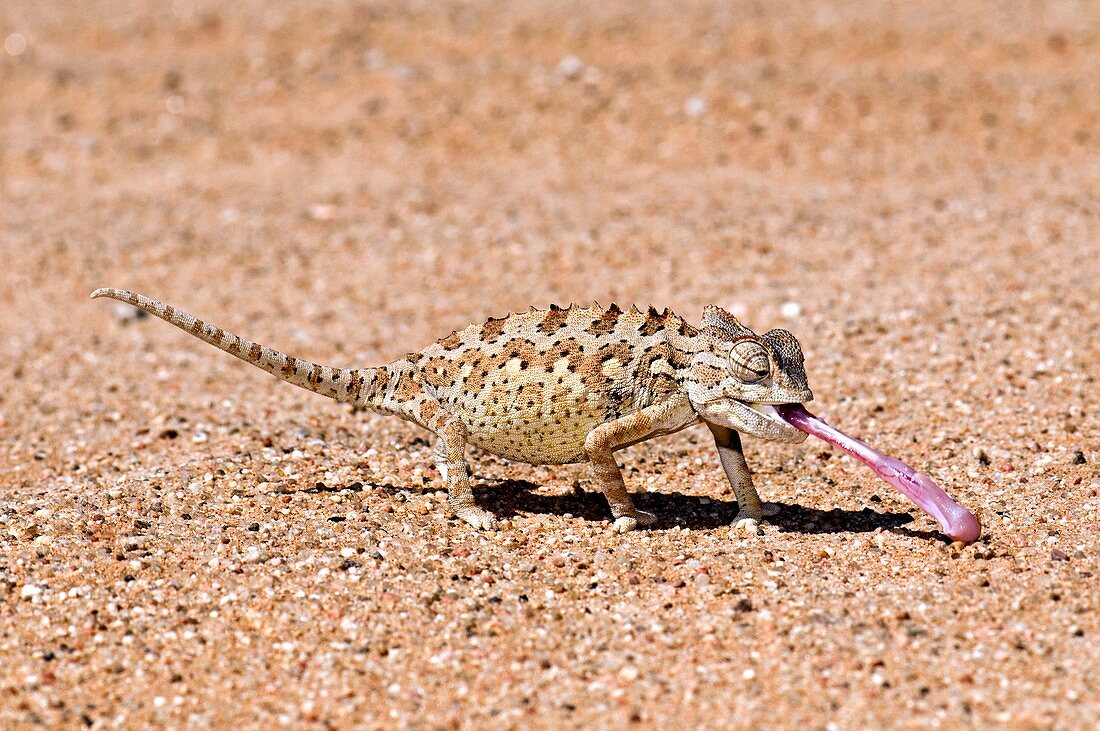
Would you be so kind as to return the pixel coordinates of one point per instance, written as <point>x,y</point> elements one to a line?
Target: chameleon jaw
<point>768,411</point>
<point>763,420</point>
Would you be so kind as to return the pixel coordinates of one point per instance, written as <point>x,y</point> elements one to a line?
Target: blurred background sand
<point>912,189</point>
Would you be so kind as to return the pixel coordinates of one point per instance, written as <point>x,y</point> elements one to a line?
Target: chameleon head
<point>736,379</point>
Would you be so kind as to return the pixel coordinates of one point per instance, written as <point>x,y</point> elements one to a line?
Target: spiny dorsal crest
<point>722,324</point>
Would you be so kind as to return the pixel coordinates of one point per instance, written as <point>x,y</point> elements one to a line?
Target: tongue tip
<point>965,528</point>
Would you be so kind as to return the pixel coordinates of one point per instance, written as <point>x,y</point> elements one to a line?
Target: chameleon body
<point>563,385</point>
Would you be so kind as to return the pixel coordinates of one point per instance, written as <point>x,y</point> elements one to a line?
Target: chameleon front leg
<point>449,454</point>
<point>749,508</point>
<point>655,420</point>
<point>439,457</point>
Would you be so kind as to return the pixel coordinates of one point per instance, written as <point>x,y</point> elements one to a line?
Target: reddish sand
<point>912,189</point>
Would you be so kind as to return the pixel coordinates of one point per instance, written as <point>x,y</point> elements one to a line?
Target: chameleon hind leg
<point>449,454</point>
<point>655,420</point>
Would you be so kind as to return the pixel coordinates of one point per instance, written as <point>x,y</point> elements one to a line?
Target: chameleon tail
<point>352,385</point>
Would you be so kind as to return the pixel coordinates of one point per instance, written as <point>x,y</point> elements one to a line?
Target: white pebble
<point>15,44</point>
<point>30,590</point>
<point>321,212</point>
<point>125,313</point>
<point>695,106</point>
<point>629,673</point>
<point>790,310</point>
<point>570,67</point>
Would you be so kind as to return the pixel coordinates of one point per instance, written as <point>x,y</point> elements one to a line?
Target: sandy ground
<point>185,541</point>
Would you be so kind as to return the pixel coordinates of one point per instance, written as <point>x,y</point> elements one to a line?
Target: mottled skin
<point>561,385</point>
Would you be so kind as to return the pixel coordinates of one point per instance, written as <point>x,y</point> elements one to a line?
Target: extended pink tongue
<point>956,521</point>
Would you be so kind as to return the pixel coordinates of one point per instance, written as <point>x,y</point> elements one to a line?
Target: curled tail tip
<point>107,292</point>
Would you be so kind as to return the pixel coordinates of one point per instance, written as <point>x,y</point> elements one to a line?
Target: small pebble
<point>126,314</point>
<point>570,67</point>
<point>321,212</point>
<point>695,106</point>
<point>790,310</point>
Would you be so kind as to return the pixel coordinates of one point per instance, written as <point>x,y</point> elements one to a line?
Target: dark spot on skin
<point>492,329</point>
<point>605,323</point>
<point>651,325</point>
<point>554,320</point>
<point>406,387</point>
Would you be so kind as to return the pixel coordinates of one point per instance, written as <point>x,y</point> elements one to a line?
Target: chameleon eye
<point>749,361</point>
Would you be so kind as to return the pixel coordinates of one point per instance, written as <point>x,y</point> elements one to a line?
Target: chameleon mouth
<point>768,411</point>
<point>764,420</point>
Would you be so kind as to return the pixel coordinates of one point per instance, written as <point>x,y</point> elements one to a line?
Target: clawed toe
<point>626,523</point>
<point>770,509</point>
<point>747,526</point>
<point>479,518</point>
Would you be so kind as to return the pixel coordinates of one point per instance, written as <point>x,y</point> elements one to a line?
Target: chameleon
<point>563,385</point>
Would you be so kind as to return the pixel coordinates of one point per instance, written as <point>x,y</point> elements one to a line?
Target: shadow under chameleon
<point>693,512</point>
<point>506,498</point>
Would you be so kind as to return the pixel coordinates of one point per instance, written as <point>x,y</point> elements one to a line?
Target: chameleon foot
<point>626,523</point>
<point>748,526</point>
<point>479,518</point>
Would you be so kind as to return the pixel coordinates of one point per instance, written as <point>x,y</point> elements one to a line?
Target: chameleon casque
<point>563,385</point>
